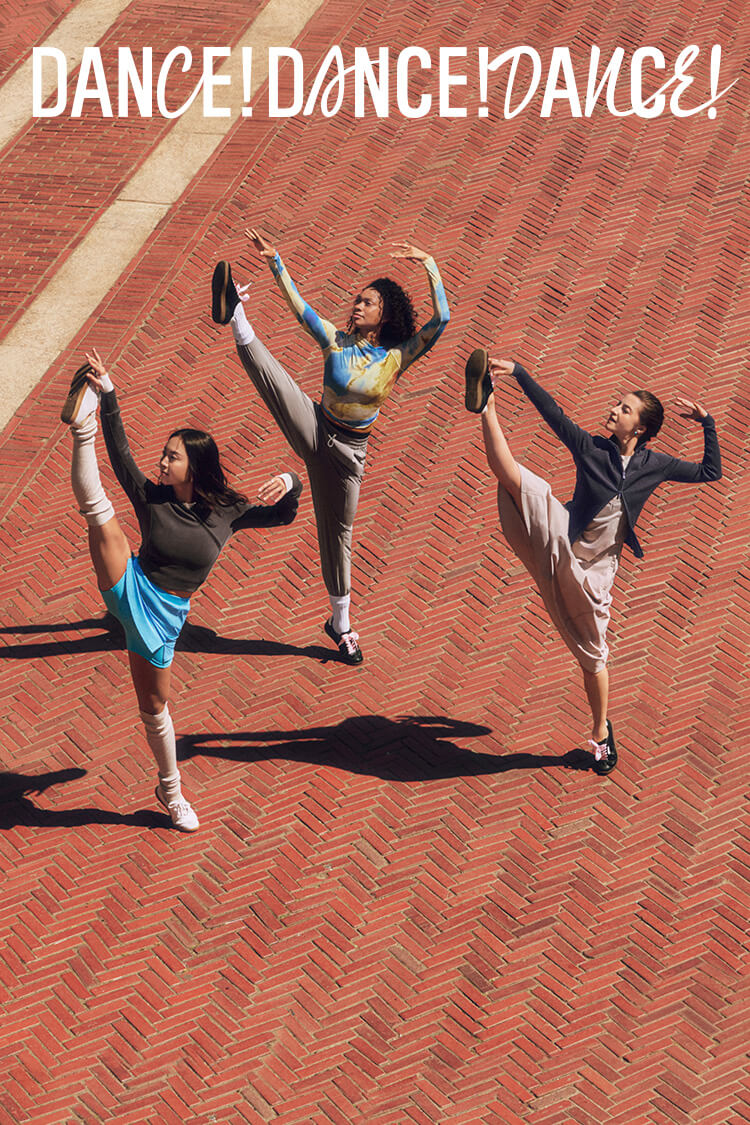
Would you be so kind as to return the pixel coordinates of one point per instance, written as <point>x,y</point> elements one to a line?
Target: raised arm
<point>421,342</point>
<point>127,472</point>
<point>322,331</point>
<point>273,511</point>
<point>570,434</point>
<point>697,472</point>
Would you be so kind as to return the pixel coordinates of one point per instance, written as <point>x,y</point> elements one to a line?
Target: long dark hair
<point>210,488</point>
<point>398,312</point>
<point>651,415</point>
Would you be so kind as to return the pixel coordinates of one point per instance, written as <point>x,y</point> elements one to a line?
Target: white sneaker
<point>181,811</point>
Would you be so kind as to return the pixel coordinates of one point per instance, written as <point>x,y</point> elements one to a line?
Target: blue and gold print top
<point>357,375</point>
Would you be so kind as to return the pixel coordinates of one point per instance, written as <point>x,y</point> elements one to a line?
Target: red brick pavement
<point>400,908</point>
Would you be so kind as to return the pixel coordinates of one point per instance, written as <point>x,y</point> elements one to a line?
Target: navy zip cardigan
<point>599,470</point>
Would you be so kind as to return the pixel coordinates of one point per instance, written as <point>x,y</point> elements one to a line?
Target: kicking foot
<point>348,643</point>
<point>82,399</point>
<point>478,381</point>
<point>182,813</point>
<point>224,295</point>
<point>604,752</point>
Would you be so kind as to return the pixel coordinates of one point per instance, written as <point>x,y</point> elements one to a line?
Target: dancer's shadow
<point>16,808</point>
<point>109,635</point>
<point>410,748</point>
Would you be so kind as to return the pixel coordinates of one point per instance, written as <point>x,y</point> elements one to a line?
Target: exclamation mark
<point>484,61</point>
<point>715,64</point>
<point>247,74</point>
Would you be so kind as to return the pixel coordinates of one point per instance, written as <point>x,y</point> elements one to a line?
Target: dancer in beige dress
<point>572,551</point>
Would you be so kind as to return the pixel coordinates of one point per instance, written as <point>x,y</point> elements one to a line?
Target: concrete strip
<point>66,303</point>
<point>83,27</point>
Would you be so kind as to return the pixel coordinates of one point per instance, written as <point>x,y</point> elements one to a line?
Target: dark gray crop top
<point>178,546</point>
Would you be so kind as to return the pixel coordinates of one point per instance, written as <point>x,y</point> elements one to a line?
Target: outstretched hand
<point>411,253</point>
<point>265,249</point>
<point>499,367</point>
<point>272,490</point>
<point>97,369</point>
<point>692,410</point>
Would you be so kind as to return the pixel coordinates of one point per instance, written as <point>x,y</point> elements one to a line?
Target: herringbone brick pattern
<point>401,906</point>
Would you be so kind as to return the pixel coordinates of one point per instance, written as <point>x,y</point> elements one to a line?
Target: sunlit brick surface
<point>400,906</point>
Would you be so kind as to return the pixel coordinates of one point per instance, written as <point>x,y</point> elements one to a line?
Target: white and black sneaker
<point>604,753</point>
<point>348,643</point>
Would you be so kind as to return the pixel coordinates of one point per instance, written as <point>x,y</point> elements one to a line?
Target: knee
<point>151,703</point>
<point>156,721</point>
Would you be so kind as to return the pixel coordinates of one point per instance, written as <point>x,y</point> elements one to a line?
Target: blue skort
<point>152,618</point>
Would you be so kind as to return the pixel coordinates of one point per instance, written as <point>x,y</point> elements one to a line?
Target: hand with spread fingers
<point>409,252</point>
<point>98,370</point>
<point>264,248</point>
<point>689,409</point>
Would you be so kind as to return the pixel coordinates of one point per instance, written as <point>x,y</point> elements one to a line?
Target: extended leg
<point>499,457</point>
<point>290,407</point>
<point>107,543</point>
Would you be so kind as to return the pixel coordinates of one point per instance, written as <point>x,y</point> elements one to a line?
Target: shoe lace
<point>600,750</point>
<point>349,641</point>
<point>180,808</point>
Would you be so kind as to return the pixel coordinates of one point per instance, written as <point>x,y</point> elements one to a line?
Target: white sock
<point>340,607</point>
<point>241,326</point>
<point>92,500</point>
<point>160,737</point>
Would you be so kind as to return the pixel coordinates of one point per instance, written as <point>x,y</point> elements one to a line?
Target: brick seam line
<point>60,311</point>
<point>82,27</point>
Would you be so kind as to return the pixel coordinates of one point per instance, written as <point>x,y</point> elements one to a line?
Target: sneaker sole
<point>475,396</point>
<point>78,385</point>
<point>219,286</point>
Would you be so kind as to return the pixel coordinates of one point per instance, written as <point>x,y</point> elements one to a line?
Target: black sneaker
<point>224,296</point>
<point>348,644</point>
<point>478,382</point>
<point>605,753</point>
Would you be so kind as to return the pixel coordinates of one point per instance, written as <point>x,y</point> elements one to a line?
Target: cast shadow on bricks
<point>107,635</point>
<point>409,748</point>
<point>17,809</point>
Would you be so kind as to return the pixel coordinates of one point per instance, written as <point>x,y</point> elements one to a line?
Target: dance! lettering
<point>412,83</point>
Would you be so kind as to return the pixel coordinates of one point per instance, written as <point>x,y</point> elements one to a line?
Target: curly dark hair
<point>398,312</point>
<point>210,487</point>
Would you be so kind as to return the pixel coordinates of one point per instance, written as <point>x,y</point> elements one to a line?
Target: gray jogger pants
<point>335,462</point>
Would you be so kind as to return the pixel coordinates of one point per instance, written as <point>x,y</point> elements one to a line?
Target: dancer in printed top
<point>361,366</point>
<point>185,516</point>
<point>572,552</point>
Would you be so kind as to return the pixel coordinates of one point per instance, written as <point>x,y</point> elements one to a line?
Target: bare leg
<point>499,457</point>
<point>152,690</point>
<point>151,685</point>
<point>597,692</point>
